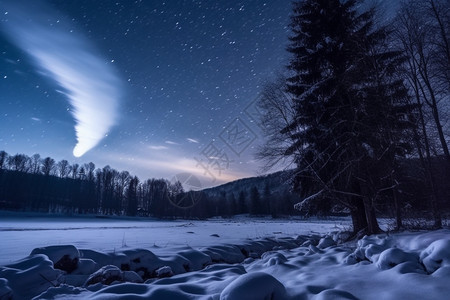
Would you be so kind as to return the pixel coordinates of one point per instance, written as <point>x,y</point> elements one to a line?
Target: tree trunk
<point>434,196</point>
<point>372,223</point>
<point>358,213</point>
<point>398,212</point>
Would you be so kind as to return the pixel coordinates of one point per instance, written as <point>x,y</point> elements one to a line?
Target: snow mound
<point>333,294</point>
<point>31,276</point>
<point>326,242</point>
<point>254,286</point>
<point>393,256</point>
<point>225,253</point>
<point>197,259</point>
<point>5,290</point>
<point>68,292</point>
<point>436,255</point>
<point>119,260</point>
<point>63,257</point>
<point>273,258</point>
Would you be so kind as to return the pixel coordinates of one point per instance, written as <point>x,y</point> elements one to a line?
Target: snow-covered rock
<point>165,271</point>
<point>110,274</point>
<point>64,257</point>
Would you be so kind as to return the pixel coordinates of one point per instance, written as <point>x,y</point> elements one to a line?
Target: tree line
<point>44,185</point>
<point>361,109</point>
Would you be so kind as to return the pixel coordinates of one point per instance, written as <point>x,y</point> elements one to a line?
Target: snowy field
<point>91,258</point>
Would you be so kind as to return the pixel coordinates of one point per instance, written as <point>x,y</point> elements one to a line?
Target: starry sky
<point>156,88</point>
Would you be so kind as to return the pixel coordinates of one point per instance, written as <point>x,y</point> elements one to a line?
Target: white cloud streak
<point>88,81</point>
<point>158,147</point>
<point>192,140</point>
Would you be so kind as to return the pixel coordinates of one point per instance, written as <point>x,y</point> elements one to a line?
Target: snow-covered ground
<point>88,258</point>
<point>20,235</point>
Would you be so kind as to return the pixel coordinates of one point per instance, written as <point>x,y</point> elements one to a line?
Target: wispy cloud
<point>89,83</point>
<point>171,143</point>
<point>192,140</point>
<point>158,147</point>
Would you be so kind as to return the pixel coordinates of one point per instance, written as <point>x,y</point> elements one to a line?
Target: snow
<point>254,286</point>
<point>251,259</point>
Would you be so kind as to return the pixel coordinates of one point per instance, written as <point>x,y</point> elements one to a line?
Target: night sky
<point>152,87</point>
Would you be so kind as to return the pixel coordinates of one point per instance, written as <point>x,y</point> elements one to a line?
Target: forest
<point>38,184</point>
<point>43,185</point>
<point>361,111</point>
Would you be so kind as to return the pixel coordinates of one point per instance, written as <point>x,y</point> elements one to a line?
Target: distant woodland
<point>42,185</point>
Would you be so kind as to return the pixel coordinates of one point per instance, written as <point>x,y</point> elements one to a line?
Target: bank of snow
<point>401,266</point>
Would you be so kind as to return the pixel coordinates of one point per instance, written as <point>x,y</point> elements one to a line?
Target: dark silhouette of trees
<point>345,110</point>
<point>255,202</point>
<point>109,192</point>
<point>3,159</point>
<point>132,196</point>
<point>18,162</point>
<point>35,164</point>
<point>242,203</point>
<point>48,166</point>
<point>422,33</point>
<point>63,168</point>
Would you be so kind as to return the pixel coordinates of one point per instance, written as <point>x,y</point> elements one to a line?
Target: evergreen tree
<point>232,204</point>
<point>132,196</point>
<point>350,120</point>
<point>242,203</point>
<point>255,201</point>
<point>268,206</point>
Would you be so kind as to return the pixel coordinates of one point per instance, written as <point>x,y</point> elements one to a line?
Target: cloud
<point>89,83</point>
<point>192,140</point>
<point>171,143</point>
<point>158,147</point>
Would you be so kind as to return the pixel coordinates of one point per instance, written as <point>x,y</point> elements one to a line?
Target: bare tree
<point>439,12</point>
<point>122,181</point>
<point>89,168</point>
<point>422,31</point>
<point>277,113</point>
<point>18,162</point>
<point>63,168</point>
<point>75,169</point>
<point>3,159</point>
<point>425,43</point>
<point>48,166</point>
<point>35,164</point>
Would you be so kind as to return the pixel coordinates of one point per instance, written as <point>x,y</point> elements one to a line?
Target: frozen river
<point>20,235</point>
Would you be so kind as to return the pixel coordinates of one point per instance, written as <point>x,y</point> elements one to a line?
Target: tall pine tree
<point>351,116</point>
